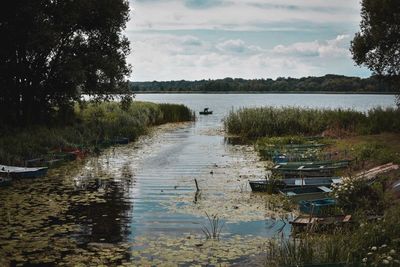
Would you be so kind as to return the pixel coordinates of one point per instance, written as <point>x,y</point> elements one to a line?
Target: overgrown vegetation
<point>253,123</point>
<point>95,125</point>
<point>52,52</point>
<point>370,240</point>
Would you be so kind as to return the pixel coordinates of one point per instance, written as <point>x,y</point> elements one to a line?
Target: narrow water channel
<point>137,204</point>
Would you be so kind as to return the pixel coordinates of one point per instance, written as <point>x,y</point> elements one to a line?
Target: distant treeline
<point>327,83</point>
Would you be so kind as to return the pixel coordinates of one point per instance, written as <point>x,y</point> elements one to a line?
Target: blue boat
<point>22,172</point>
<point>316,207</point>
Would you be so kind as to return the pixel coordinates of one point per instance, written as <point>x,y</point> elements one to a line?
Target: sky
<point>212,39</point>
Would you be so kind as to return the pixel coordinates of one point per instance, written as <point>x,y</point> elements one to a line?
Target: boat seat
<point>347,218</point>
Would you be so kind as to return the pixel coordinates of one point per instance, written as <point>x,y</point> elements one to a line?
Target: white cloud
<point>170,57</point>
<point>176,39</point>
<point>237,46</point>
<point>337,47</point>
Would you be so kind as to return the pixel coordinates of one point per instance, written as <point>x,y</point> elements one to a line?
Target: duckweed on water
<point>54,220</point>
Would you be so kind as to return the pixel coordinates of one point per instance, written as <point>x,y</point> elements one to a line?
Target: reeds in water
<point>253,123</point>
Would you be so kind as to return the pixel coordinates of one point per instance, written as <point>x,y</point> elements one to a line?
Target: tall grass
<point>307,249</point>
<point>94,124</point>
<point>270,121</point>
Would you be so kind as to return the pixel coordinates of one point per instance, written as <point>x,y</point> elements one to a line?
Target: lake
<point>139,201</point>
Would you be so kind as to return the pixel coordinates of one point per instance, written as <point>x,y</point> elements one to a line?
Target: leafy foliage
<point>377,45</point>
<point>53,51</point>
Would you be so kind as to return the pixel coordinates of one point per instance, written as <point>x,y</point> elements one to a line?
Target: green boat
<point>307,171</point>
<point>306,193</point>
<point>297,164</point>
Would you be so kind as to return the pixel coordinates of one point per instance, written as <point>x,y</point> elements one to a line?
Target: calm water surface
<point>144,193</point>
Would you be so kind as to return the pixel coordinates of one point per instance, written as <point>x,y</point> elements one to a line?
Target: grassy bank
<point>94,126</point>
<point>364,244</point>
<point>369,139</point>
<point>252,123</point>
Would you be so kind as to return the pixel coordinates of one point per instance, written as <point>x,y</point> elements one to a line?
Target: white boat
<point>22,172</point>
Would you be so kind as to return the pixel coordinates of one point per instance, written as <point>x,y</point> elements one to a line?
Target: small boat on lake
<point>5,181</point>
<point>22,172</point>
<point>306,193</point>
<point>206,111</point>
<point>316,207</point>
<point>273,186</point>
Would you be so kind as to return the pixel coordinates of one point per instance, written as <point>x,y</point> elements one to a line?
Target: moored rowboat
<point>273,185</point>
<point>316,207</point>
<point>306,193</point>
<point>22,172</point>
<point>306,220</point>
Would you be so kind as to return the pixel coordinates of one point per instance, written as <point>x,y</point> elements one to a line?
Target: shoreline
<point>262,92</point>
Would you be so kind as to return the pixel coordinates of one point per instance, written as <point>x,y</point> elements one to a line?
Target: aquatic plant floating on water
<point>213,230</point>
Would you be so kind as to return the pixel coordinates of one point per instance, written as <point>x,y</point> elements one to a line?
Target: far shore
<point>267,92</point>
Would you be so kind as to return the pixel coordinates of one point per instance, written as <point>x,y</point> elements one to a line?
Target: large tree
<point>377,45</point>
<point>52,51</point>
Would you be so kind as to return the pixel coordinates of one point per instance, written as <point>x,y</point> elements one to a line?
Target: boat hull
<point>273,187</point>
<point>317,207</point>
<point>19,172</point>
<point>308,193</point>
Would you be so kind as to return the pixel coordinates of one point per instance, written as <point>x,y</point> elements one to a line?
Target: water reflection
<point>107,220</point>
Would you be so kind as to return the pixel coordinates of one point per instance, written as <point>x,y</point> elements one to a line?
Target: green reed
<point>253,123</point>
<point>94,123</point>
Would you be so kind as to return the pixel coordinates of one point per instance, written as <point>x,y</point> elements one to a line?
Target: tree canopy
<point>53,51</point>
<point>377,44</point>
<point>327,83</point>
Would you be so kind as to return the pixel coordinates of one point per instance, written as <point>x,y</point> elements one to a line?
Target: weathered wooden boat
<point>306,171</point>
<point>327,163</point>
<point>294,146</point>
<point>272,186</point>
<point>206,111</point>
<point>306,193</point>
<point>34,162</point>
<point>290,157</point>
<point>51,163</point>
<point>312,181</point>
<point>5,181</point>
<point>22,172</point>
<point>121,141</point>
<point>306,221</point>
<point>317,207</point>
<point>286,155</point>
